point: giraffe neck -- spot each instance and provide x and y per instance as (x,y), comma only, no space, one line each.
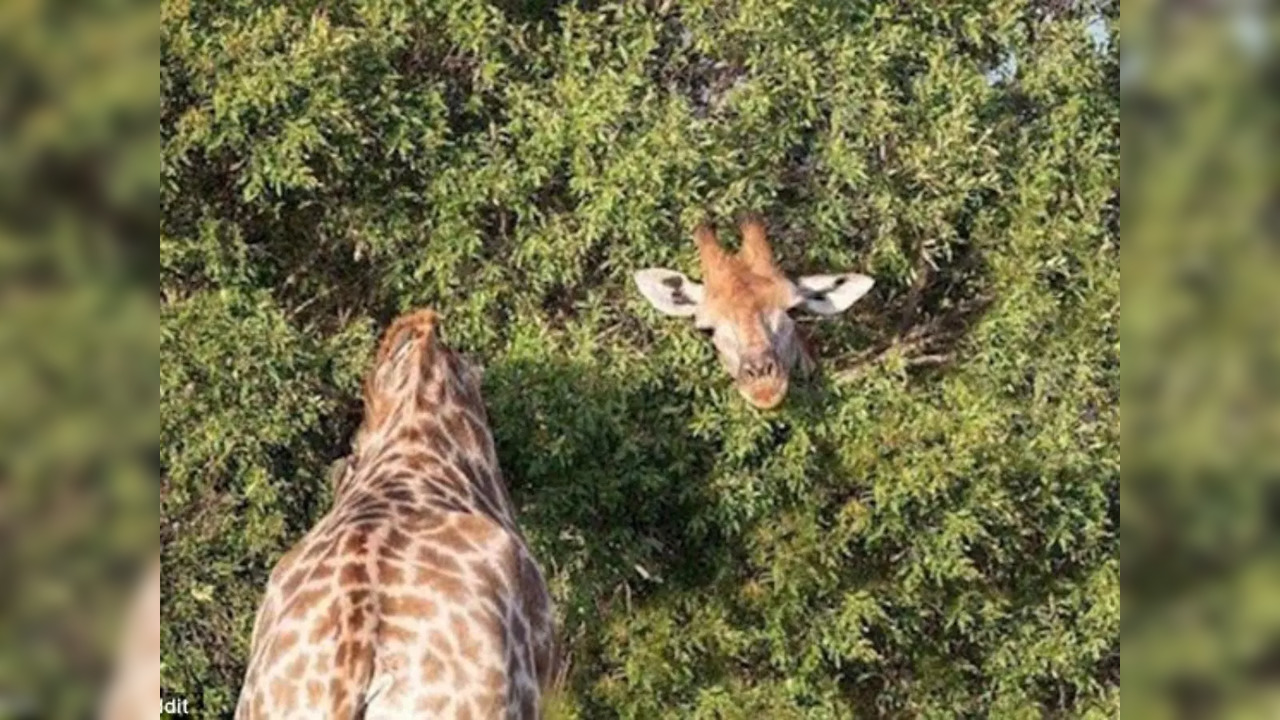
(439,442)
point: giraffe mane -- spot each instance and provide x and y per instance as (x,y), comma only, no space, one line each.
(410,328)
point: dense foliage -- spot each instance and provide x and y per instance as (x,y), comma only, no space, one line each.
(930,528)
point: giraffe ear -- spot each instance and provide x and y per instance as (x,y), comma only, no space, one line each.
(669,291)
(831,294)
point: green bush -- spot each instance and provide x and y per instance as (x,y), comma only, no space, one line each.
(929,529)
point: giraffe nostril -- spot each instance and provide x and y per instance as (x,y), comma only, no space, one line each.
(760,368)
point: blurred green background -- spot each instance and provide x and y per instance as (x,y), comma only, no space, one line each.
(1202,433)
(930,529)
(79,423)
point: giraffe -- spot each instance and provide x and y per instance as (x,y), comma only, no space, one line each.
(744,306)
(416,595)
(134,690)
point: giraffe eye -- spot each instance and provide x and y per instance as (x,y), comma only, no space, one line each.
(706,331)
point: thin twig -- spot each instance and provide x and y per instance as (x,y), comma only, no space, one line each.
(918,339)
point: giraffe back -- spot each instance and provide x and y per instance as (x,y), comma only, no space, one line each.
(416,595)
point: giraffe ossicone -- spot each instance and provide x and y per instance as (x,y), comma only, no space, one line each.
(744,305)
(416,595)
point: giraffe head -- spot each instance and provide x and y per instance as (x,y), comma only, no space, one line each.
(414,373)
(744,306)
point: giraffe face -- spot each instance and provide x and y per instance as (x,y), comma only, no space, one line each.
(744,307)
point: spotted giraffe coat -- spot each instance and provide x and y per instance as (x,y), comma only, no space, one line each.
(416,595)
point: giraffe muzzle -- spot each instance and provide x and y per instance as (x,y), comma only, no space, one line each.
(764,393)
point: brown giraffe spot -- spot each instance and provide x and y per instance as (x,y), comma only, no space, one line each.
(293,581)
(307,600)
(422,521)
(287,561)
(368,518)
(355,619)
(465,713)
(453,539)
(440,642)
(377,468)
(438,439)
(283,643)
(371,504)
(434,704)
(315,691)
(353,574)
(468,645)
(453,589)
(478,528)
(432,669)
(361,660)
(482,481)
(448,505)
(298,668)
(461,678)
(468,468)
(494,681)
(316,550)
(411,434)
(399,494)
(284,695)
(391,632)
(398,541)
(367,525)
(344,650)
(258,708)
(491,705)
(477,436)
(357,543)
(323,571)
(407,606)
(453,426)
(486,618)
(389,573)
(431,556)
(492,583)
(449,477)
